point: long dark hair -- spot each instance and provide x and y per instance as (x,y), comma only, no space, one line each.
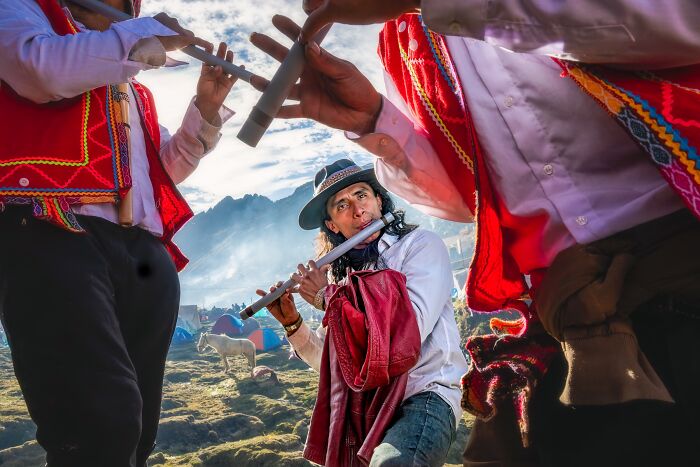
(327,239)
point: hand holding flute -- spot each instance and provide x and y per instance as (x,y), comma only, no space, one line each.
(328,258)
(331,91)
(102,14)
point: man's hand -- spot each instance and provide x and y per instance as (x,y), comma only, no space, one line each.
(323,12)
(310,280)
(213,86)
(331,91)
(183,38)
(283,309)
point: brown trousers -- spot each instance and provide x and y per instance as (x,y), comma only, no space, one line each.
(666,326)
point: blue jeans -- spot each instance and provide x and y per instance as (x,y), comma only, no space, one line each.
(421,435)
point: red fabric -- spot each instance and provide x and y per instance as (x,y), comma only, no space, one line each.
(371,344)
(45,162)
(172,207)
(426,80)
(420,66)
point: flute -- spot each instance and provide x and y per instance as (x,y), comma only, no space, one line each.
(194,52)
(276,93)
(328,258)
(126,204)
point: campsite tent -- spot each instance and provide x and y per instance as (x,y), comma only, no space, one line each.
(250,325)
(229,325)
(181,336)
(265,339)
(188,318)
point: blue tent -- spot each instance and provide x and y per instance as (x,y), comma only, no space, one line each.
(230,325)
(181,336)
(265,339)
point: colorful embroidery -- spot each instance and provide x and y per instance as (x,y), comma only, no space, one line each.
(425,99)
(645,105)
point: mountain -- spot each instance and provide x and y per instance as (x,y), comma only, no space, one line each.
(240,245)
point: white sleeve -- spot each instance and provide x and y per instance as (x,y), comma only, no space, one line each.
(42,66)
(407,164)
(194,139)
(647,34)
(309,345)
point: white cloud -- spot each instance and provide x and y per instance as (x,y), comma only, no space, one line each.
(294,150)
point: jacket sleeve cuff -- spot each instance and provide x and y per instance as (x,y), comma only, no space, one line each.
(301,337)
(207,133)
(392,131)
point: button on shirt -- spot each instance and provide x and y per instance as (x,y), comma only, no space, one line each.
(422,257)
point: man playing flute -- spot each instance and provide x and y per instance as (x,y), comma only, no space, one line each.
(347,199)
(89,306)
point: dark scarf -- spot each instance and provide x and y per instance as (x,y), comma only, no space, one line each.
(364,258)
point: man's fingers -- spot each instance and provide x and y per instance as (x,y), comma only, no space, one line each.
(315,22)
(325,268)
(286,26)
(221,51)
(312,265)
(268,45)
(200,42)
(311,5)
(296,278)
(206,68)
(260,292)
(290,111)
(259,82)
(326,63)
(302,269)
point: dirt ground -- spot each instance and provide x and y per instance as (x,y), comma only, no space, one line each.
(208,418)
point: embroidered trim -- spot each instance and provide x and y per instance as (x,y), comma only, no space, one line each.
(336,177)
(464,157)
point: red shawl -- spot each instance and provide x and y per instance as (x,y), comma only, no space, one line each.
(372,343)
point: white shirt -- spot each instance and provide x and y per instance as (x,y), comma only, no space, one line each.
(550,149)
(422,257)
(43,67)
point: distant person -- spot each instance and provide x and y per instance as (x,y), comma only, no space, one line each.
(346,199)
(89,305)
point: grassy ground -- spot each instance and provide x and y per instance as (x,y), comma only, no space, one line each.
(208,418)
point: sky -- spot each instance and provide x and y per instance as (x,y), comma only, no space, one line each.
(292,150)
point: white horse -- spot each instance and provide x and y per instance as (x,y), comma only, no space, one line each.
(227,346)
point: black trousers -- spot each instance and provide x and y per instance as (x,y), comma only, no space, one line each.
(634,434)
(89,318)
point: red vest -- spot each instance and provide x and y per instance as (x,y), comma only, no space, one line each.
(75,152)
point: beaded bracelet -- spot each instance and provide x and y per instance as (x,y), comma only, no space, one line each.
(319,299)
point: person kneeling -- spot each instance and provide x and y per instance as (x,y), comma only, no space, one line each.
(388,351)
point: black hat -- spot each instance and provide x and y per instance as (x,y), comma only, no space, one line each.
(329,181)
